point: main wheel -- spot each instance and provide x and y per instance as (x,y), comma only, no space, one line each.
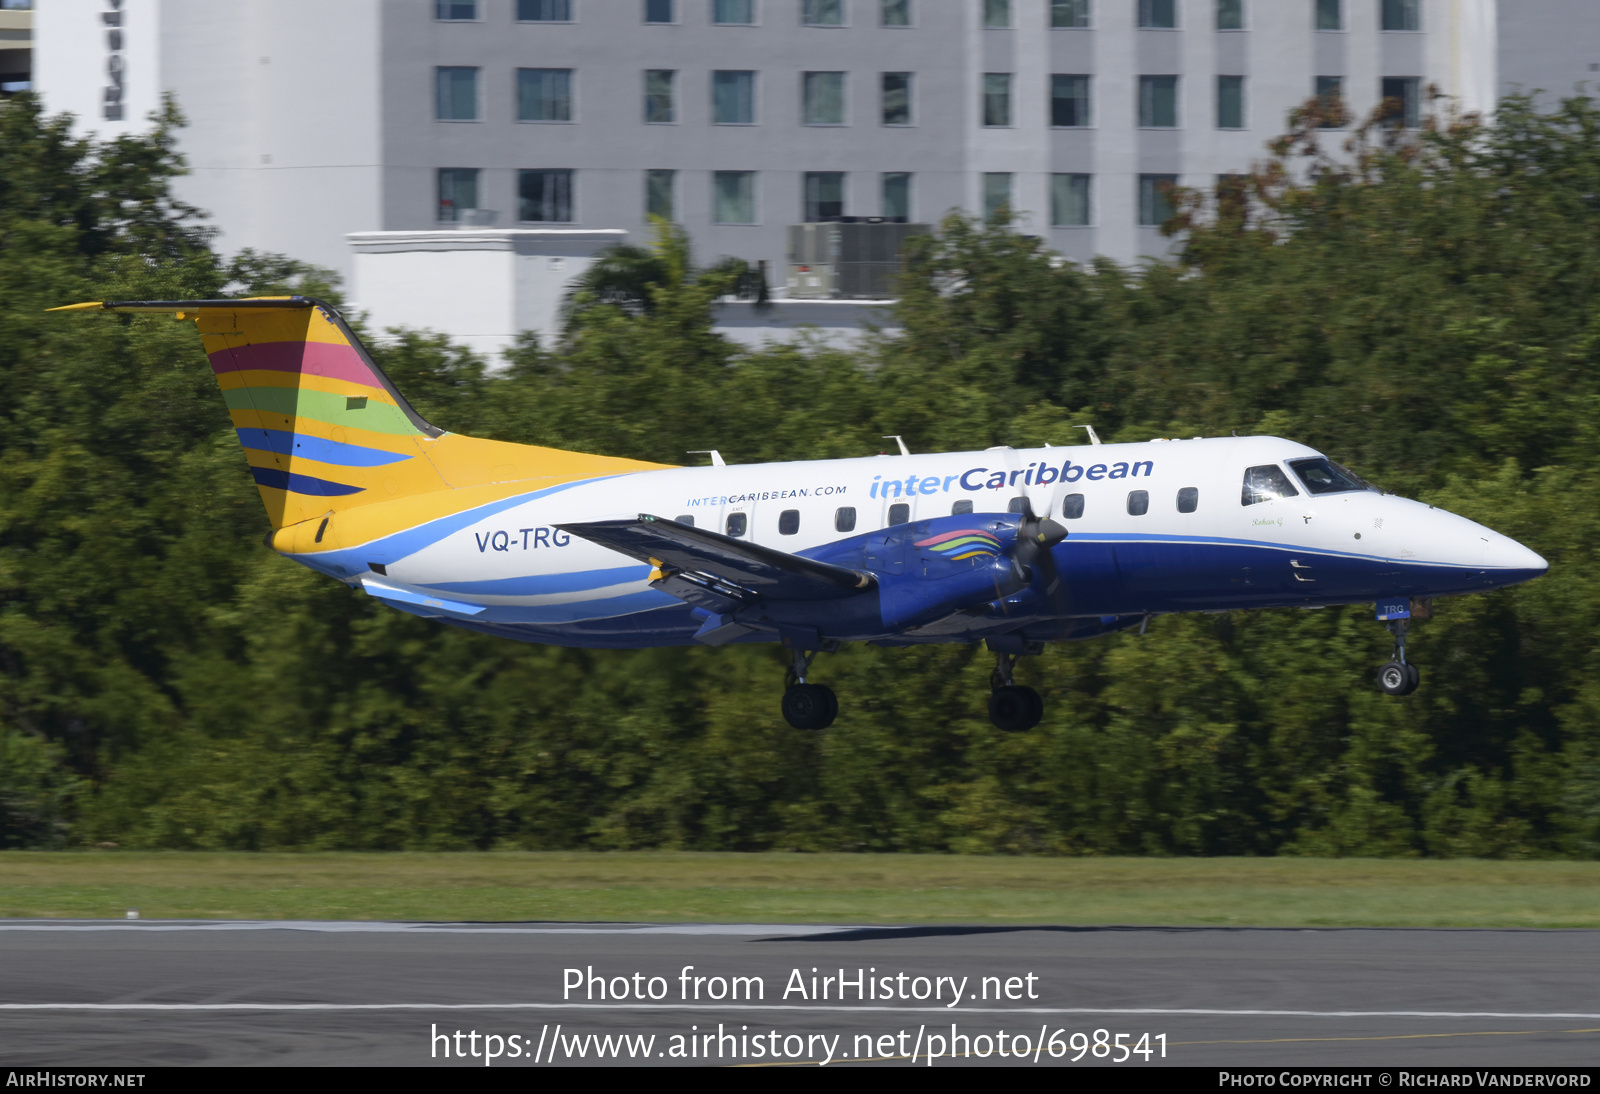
(1014,708)
(1396,679)
(810,706)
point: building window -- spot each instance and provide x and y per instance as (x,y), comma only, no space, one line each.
(659,199)
(1158,102)
(660,96)
(733,12)
(897,98)
(996,193)
(1402,14)
(1330,101)
(997,13)
(1069,13)
(997,98)
(1069,100)
(733,98)
(1402,101)
(1158,14)
(544,94)
(788,522)
(733,197)
(1069,201)
(1230,102)
(895,13)
(1155,199)
(824,196)
(458,191)
(458,94)
(660,11)
(822,13)
(1330,14)
(451,11)
(823,94)
(545,196)
(544,11)
(896,204)
(1230,14)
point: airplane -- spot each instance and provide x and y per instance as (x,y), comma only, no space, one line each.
(1011,547)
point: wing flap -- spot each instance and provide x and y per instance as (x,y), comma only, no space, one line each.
(705,567)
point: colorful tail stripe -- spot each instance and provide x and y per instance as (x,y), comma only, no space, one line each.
(301,484)
(317,448)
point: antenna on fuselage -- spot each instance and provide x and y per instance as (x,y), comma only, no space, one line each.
(1094,438)
(716,457)
(895,437)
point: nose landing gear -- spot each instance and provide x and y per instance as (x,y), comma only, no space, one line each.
(1012,707)
(1399,676)
(807,706)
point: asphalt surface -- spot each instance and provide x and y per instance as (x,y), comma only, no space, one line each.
(76,993)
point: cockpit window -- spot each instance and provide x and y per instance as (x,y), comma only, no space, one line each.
(1266,483)
(1323,476)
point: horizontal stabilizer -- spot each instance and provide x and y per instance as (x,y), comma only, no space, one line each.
(738,570)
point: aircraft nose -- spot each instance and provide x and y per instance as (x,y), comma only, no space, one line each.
(1505,553)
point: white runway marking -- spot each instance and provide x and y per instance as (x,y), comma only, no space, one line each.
(1153,1011)
(343,927)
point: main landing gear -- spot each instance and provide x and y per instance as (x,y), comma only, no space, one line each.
(1399,676)
(1012,707)
(808,706)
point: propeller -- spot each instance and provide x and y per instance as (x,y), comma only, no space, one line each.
(1035,538)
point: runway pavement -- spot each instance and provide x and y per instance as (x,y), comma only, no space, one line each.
(130,994)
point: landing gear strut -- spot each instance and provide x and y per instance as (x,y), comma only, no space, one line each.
(1399,676)
(1012,707)
(807,706)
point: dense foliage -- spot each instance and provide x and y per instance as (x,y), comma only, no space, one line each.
(1426,310)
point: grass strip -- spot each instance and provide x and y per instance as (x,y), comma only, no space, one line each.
(776,888)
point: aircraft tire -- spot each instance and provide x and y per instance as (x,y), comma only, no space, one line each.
(1014,708)
(810,706)
(1416,677)
(1397,679)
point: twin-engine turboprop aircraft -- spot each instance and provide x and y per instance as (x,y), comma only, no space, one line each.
(1014,547)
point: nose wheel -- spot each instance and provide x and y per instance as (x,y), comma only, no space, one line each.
(1399,676)
(808,706)
(1013,707)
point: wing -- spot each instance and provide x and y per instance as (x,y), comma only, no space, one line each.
(717,572)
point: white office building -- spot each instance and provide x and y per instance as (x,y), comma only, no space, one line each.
(311,120)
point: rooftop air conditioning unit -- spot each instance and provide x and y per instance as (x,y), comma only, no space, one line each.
(852,258)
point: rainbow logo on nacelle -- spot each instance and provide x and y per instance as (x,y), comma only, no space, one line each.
(961,544)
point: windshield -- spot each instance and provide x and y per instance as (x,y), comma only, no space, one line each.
(1323,476)
(1266,483)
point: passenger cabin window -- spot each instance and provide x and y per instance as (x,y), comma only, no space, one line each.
(899,514)
(788,522)
(737,523)
(1019,504)
(687,518)
(1138,503)
(1072,506)
(1266,483)
(961,507)
(1322,476)
(844,519)
(1188,499)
